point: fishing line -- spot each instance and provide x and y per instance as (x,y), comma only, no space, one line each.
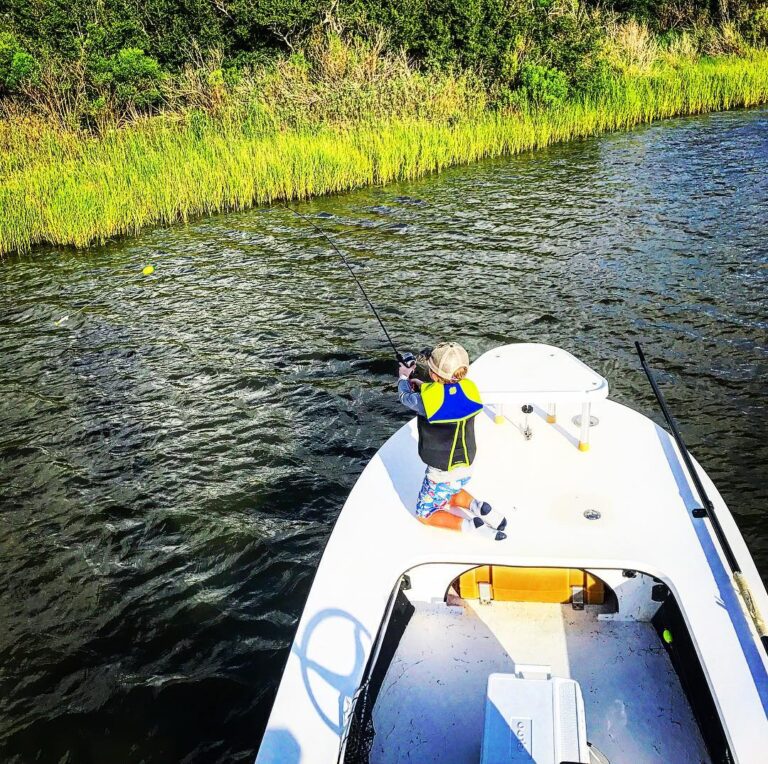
(404,358)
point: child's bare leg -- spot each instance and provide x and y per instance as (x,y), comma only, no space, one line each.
(437,507)
(462,499)
(449,521)
(443,519)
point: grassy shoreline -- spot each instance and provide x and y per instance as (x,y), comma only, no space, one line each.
(65,188)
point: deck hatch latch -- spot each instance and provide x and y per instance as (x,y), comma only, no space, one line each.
(485,593)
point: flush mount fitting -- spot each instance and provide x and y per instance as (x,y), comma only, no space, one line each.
(527,411)
(592,514)
(593,421)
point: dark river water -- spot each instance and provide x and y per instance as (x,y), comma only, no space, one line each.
(174,448)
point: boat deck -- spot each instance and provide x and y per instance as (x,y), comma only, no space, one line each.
(432,703)
(632,477)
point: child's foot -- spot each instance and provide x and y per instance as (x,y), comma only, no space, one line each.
(489,515)
(485,530)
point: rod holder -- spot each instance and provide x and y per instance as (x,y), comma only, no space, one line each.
(584,429)
(551,413)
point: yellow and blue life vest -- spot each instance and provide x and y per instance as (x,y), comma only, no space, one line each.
(447,433)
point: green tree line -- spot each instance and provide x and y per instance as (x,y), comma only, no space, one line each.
(113,52)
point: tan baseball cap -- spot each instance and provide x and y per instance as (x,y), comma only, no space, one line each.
(447,358)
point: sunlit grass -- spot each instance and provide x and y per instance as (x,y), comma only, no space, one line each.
(76,189)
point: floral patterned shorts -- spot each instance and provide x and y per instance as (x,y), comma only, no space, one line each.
(434,496)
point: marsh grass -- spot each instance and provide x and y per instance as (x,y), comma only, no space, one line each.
(60,187)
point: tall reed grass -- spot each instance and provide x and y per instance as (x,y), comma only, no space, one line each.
(76,189)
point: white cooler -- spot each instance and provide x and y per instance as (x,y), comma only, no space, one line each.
(534,720)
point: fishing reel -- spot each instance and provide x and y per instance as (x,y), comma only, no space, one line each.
(417,362)
(410,360)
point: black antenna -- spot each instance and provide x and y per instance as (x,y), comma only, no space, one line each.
(404,359)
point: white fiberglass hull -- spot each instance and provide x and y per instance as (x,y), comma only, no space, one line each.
(631,476)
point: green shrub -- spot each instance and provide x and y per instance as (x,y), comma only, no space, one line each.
(755,25)
(17,66)
(23,69)
(131,78)
(543,86)
(507,98)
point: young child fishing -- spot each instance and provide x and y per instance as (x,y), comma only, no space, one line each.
(446,409)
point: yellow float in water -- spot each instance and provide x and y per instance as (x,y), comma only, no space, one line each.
(148,270)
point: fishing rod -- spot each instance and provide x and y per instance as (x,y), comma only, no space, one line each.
(708,508)
(407,359)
